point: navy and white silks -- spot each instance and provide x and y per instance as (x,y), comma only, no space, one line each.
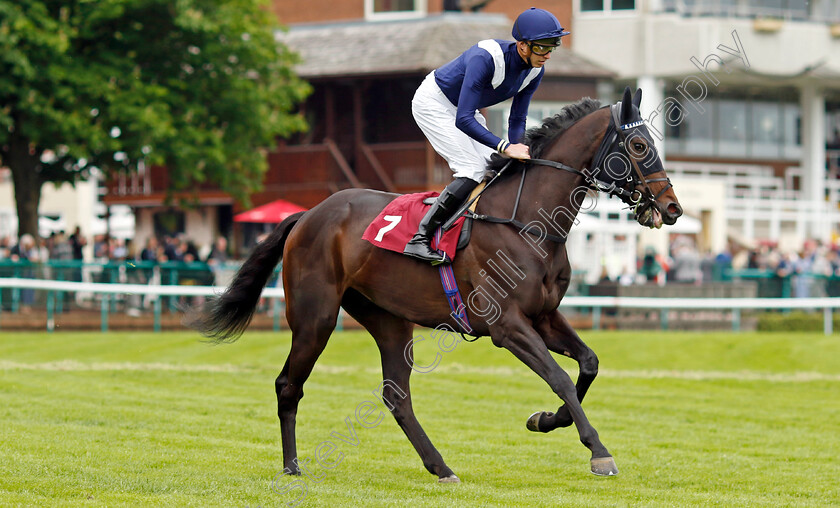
(446,104)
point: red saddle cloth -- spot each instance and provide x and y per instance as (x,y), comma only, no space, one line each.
(398,222)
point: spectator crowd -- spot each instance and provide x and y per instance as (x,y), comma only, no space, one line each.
(809,267)
(682,264)
(62,247)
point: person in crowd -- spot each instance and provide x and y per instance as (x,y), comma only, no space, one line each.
(172,248)
(101,250)
(118,249)
(151,250)
(651,268)
(26,251)
(685,268)
(216,260)
(5,247)
(60,248)
(78,242)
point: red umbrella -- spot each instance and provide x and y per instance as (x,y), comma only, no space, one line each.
(272,213)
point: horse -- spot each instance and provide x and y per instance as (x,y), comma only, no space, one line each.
(327,266)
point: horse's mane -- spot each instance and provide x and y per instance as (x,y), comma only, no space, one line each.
(537,138)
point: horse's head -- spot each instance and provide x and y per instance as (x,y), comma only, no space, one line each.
(628,166)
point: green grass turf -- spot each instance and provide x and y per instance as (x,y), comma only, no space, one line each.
(143,419)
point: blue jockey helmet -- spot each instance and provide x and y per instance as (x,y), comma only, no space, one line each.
(537,24)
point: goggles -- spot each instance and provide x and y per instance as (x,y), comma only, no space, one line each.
(543,49)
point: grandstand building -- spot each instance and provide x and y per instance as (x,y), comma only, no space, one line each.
(745,99)
(743,96)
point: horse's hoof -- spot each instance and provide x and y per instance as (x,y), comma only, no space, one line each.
(533,423)
(449,479)
(604,466)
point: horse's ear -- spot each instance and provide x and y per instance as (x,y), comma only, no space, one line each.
(626,107)
(637,98)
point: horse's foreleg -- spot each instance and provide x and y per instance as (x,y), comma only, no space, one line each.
(561,338)
(518,337)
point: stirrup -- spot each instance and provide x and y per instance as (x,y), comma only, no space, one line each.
(435,257)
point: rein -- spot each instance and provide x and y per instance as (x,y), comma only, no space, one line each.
(615,132)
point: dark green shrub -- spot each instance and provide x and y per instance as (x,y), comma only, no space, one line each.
(794,321)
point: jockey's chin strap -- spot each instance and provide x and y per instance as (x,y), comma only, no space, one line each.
(615,132)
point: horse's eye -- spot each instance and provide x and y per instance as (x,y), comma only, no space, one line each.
(638,147)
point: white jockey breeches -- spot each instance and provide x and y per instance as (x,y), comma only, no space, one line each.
(436,117)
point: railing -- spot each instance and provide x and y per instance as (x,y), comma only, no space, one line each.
(148,273)
(55,291)
(736,305)
(826,11)
(596,303)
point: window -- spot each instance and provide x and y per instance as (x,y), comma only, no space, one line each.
(792,140)
(607,5)
(732,128)
(699,130)
(741,124)
(394,9)
(623,5)
(169,222)
(766,129)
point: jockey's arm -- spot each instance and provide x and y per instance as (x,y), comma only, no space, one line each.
(519,110)
(478,73)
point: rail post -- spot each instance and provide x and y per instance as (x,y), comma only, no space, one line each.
(663,318)
(105,301)
(50,311)
(736,320)
(157,312)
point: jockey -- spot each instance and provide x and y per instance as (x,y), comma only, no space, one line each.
(446,106)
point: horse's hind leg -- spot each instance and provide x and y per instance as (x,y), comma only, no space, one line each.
(312,317)
(561,338)
(393,335)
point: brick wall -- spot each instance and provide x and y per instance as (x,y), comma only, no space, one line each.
(290,12)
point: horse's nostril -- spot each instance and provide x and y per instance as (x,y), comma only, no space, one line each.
(674,209)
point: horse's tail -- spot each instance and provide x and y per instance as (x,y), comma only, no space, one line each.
(223,319)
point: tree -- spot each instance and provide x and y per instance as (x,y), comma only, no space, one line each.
(199,86)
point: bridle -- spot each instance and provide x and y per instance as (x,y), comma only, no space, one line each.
(617,134)
(614,142)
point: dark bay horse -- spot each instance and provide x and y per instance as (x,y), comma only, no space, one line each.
(327,265)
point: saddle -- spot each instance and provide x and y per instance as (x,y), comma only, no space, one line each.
(398,221)
(466,229)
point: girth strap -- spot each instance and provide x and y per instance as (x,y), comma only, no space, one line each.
(512,220)
(519,225)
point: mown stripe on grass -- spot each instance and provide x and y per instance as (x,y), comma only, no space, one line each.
(73,365)
(453,368)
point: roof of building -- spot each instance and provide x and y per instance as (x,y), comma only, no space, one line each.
(409,46)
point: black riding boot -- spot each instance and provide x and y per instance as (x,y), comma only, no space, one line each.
(447,203)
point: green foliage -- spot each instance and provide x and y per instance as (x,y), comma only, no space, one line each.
(143,419)
(794,321)
(200,86)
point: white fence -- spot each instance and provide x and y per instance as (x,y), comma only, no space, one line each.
(596,303)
